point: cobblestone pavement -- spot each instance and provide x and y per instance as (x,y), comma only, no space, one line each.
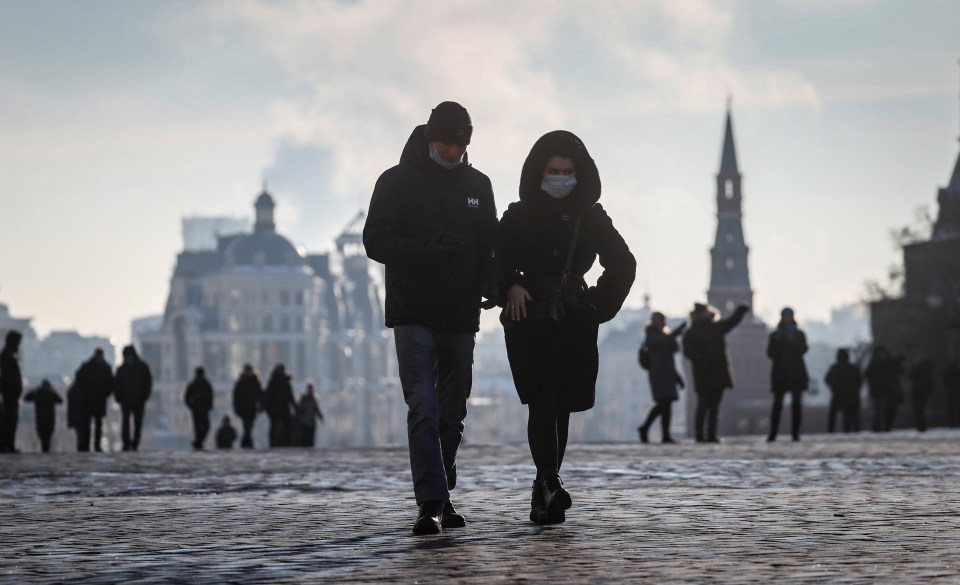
(866,509)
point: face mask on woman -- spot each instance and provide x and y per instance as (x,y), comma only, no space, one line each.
(558,186)
(435,157)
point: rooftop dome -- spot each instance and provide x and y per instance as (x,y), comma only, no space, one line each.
(263,247)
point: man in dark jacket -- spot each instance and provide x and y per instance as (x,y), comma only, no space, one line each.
(132,389)
(11,388)
(45,399)
(280,405)
(786,348)
(705,347)
(247,402)
(95,384)
(199,399)
(432,222)
(844,380)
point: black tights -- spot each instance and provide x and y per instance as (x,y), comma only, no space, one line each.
(547,429)
(662,409)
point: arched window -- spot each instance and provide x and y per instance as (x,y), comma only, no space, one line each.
(729,238)
(729,263)
(728,188)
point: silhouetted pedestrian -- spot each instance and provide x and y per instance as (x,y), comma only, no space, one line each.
(247,402)
(226,434)
(308,412)
(661,344)
(551,318)
(11,388)
(786,348)
(77,415)
(95,384)
(199,399)
(705,347)
(132,388)
(432,224)
(921,386)
(45,399)
(951,386)
(883,378)
(280,406)
(844,380)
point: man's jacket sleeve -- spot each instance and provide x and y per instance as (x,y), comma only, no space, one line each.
(382,231)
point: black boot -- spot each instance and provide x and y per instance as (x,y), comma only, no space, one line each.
(642,430)
(428,521)
(451,518)
(555,497)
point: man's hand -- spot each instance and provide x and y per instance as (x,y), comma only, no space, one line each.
(445,241)
(492,290)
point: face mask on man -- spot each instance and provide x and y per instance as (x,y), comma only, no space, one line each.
(558,186)
(435,157)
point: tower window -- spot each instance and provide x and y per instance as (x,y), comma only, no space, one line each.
(729,238)
(728,188)
(730,306)
(729,263)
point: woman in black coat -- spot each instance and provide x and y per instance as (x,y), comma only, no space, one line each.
(660,344)
(554,359)
(785,348)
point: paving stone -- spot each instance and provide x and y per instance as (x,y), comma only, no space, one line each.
(841,509)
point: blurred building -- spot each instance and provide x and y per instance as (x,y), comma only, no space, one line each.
(745,409)
(925,321)
(257,298)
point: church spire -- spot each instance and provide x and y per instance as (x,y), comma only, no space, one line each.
(729,273)
(728,160)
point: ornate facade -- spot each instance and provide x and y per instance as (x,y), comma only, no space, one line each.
(259,299)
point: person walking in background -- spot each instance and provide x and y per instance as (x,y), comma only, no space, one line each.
(432,223)
(199,399)
(661,344)
(951,385)
(132,387)
(883,378)
(921,386)
(551,237)
(786,348)
(280,406)
(95,384)
(308,412)
(705,346)
(844,380)
(45,399)
(11,388)
(226,434)
(247,402)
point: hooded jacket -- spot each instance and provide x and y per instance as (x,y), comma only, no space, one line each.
(411,203)
(535,235)
(705,346)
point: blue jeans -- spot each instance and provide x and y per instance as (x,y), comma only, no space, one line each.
(436,374)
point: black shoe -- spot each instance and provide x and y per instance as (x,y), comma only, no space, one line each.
(451,518)
(668,441)
(771,438)
(643,434)
(428,520)
(555,497)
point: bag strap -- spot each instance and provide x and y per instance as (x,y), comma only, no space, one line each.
(573,246)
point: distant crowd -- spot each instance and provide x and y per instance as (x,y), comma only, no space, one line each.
(292,421)
(705,347)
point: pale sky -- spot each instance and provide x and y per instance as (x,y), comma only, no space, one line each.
(117,118)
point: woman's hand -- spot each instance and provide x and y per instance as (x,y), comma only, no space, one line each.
(517,298)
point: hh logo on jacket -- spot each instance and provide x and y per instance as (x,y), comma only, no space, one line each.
(473,202)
